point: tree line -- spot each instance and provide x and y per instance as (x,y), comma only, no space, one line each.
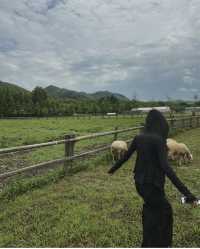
(17,103)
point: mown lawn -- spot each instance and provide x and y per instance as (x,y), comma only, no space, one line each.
(92,209)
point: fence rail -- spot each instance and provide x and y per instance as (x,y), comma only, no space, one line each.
(73,139)
(70,140)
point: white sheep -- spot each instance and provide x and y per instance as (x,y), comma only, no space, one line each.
(178,151)
(118,149)
(185,153)
(172,146)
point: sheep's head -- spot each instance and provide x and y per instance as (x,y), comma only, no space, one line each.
(189,157)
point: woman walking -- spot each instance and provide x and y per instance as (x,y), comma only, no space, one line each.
(149,174)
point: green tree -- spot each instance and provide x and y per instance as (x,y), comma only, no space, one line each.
(39,96)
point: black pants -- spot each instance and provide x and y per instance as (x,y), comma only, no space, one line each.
(157,217)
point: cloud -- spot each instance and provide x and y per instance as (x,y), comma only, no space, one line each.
(148,47)
(7,45)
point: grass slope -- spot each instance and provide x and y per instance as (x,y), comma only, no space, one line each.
(92,209)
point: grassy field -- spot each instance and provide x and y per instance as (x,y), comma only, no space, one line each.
(29,131)
(14,132)
(91,209)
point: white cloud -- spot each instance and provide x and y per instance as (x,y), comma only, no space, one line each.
(120,45)
(183,89)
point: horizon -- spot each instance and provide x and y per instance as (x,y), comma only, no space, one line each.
(142,100)
(144,48)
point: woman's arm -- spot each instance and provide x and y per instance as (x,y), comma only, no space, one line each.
(126,156)
(162,154)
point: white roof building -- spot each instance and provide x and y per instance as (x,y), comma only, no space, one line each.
(193,108)
(111,113)
(147,109)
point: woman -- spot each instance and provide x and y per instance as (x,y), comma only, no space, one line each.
(149,174)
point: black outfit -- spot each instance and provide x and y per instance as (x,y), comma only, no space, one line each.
(149,174)
(151,163)
(157,217)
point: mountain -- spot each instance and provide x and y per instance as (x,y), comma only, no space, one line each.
(63,93)
(12,87)
(103,94)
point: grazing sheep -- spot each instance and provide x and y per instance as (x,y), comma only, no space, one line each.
(178,151)
(185,153)
(172,146)
(118,149)
(170,140)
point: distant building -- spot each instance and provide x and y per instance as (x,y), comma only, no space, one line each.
(163,109)
(192,109)
(111,114)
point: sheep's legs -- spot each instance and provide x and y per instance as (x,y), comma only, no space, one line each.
(113,157)
(118,156)
(181,159)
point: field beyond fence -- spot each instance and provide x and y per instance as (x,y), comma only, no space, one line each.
(70,141)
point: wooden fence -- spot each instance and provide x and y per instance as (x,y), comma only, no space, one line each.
(71,140)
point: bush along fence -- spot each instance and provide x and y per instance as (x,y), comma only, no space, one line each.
(70,141)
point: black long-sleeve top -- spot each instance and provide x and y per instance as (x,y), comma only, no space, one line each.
(152,163)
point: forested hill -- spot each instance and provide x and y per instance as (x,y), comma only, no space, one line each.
(52,101)
(63,93)
(16,101)
(104,94)
(12,87)
(68,94)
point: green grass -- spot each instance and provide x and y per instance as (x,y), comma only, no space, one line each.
(92,209)
(20,132)
(29,131)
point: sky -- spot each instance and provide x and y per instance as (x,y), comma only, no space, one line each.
(144,49)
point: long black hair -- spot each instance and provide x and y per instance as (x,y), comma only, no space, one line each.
(157,124)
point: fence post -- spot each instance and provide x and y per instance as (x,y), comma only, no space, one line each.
(198,121)
(190,122)
(69,150)
(172,123)
(183,123)
(115,135)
